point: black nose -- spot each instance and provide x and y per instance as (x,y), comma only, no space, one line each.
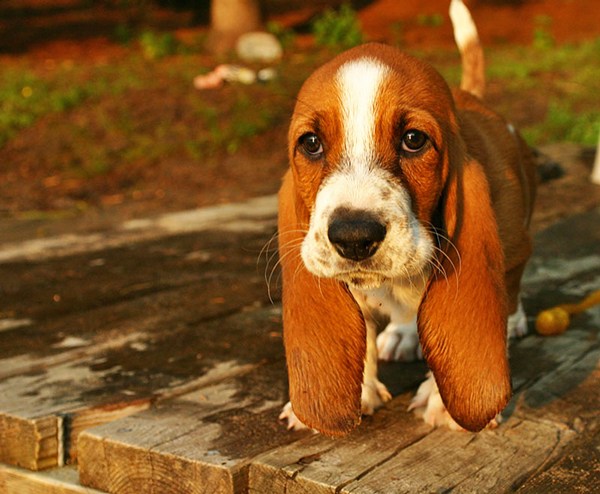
(356,236)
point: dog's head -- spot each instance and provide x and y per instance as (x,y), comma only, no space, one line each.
(380,189)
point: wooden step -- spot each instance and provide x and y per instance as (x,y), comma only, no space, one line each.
(201,442)
(15,480)
(165,373)
(158,321)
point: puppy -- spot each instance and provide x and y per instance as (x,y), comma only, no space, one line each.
(411,200)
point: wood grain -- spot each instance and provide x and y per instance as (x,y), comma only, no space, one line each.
(201,442)
(115,382)
(321,465)
(94,350)
(578,472)
(463,462)
(165,373)
(30,443)
(14,480)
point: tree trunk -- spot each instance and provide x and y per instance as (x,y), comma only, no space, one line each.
(230,19)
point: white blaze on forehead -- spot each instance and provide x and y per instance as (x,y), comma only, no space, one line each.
(359,82)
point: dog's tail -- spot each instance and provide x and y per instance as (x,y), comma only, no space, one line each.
(467,39)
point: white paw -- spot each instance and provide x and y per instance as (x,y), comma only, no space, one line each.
(428,402)
(374,394)
(293,422)
(517,323)
(399,342)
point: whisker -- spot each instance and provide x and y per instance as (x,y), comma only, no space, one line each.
(293,250)
(279,235)
(320,287)
(265,250)
(440,236)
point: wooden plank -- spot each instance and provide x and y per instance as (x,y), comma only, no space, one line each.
(490,461)
(578,472)
(560,396)
(544,370)
(33,444)
(93,348)
(15,480)
(92,297)
(42,413)
(317,465)
(554,377)
(253,215)
(195,447)
(561,393)
(320,465)
(137,322)
(183,282)
(199,443)
(181,436)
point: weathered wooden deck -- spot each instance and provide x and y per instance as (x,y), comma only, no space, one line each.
(149,359)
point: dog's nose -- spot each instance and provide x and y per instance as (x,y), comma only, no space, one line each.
(357,236)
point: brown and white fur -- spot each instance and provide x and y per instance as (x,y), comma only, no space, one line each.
(435,236)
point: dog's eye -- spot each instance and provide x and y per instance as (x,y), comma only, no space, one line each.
(413,140)
(311,144)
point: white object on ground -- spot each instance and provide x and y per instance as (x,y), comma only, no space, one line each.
(267,74)
(258,47)
(222,73)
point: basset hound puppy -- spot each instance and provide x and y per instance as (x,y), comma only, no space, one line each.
(407,199)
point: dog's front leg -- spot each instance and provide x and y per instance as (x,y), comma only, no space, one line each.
(374,392)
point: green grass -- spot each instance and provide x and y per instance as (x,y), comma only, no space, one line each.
(433,20)
(566,79)
(338,29)
(543,39)
(563,123)
(27,94)
(552,95)
(579,62)
(140,113)
(155,45)
(228,128)
(286,36)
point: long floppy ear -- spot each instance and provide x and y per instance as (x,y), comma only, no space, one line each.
(462,317)
(324,332)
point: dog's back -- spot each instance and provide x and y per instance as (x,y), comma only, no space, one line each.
(495,143)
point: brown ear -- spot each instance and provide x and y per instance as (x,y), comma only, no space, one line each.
(462,317)
(324,331)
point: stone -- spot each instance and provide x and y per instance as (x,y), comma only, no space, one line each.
(259,47)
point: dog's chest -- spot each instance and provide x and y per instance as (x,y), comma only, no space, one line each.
(398,300)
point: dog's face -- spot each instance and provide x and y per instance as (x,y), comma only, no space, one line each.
(368,151)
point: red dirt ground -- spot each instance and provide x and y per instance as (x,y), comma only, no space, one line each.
(65,30)
(62,29)
(498,21)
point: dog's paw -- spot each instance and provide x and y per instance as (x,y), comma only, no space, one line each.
(428,403)
(399,342)
(293,422)
(517,323)
(374,395)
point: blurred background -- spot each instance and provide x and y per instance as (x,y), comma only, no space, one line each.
(99,115)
